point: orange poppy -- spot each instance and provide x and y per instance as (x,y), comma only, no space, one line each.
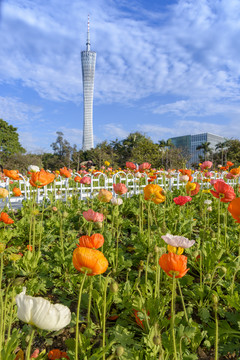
(17,191)
(104,195)
(154,193)
(64,172)
(173,263)
(12,174)
(192,188)
(229,163)
(235,171)
(92,261)
(234,209)
(77,179)
(20,355)
(92,242)
(41,178)
(187,172)
(6,218)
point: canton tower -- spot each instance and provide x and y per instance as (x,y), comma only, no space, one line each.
(88,59)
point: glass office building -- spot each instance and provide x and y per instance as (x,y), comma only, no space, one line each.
(189,144)
(88,59)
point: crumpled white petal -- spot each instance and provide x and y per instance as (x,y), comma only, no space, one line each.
(178,241)
(41,313)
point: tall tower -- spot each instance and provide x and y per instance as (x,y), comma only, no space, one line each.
(88,59)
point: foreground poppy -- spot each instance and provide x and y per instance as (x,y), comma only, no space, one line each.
(41,178)
(88,260)
(4,217)
(154,193)
(12,174)
(174,264)
(92,242)
(234,209)
(144,166)
(224,192)
(3,193)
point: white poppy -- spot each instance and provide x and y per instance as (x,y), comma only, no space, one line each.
(41,313)
(116,201)
(33,168)
(208,202)
(178,241)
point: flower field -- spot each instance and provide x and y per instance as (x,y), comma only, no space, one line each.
(147,276)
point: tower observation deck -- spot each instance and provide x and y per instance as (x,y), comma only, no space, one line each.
(88,59)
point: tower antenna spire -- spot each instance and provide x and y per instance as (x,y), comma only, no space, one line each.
(88,36)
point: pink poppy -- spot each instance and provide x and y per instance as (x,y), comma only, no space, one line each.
(85,180)
(120,188)
(206,165)
(144,166)
(91,215)
(130,165)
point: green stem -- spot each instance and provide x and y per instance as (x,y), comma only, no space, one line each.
(173,316)
(30,344)
(104,315)
(183,304)
(219,230)
(89,300)
(117,234)
(216,334)
(1,304)
(77,316)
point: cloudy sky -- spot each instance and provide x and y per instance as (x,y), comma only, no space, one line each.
(164,67)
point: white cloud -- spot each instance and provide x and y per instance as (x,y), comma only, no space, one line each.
(114,131)
(17,112)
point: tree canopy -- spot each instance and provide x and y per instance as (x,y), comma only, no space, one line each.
(9,141)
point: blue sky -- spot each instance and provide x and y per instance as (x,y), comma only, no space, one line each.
(165,68)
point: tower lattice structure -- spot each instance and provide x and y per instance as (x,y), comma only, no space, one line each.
(88,59)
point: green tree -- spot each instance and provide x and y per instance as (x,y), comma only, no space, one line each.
(63,150)
(205,146)
(9,141)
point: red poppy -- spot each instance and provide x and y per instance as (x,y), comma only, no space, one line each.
(182,200)
(139,321)
(92,242)
(173,263)
(57,354)
(144,166)
(224,192)
(6,218)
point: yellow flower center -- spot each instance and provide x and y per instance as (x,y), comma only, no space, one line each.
(175,250)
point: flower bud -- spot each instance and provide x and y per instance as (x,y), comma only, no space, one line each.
(157,340)
(2,247)
(114,287)
(119,350)
(99,224)
(65,214)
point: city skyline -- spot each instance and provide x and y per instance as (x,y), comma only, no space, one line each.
(165,68)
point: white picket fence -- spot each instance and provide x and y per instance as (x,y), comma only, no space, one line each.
(63,189)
